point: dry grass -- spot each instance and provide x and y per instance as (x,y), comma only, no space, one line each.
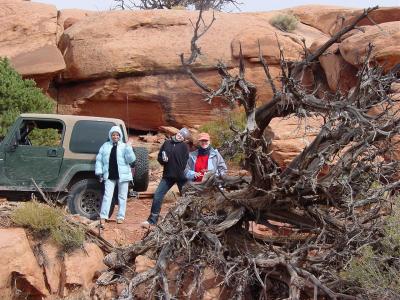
(38,217)
(46,221)
(376,269)
(69,238)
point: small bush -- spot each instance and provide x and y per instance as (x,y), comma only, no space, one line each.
(40,218)
(286,23)
(69,238)
(46,221)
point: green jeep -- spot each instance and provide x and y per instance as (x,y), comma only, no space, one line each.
(58,154)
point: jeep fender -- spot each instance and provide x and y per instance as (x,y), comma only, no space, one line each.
(73,174)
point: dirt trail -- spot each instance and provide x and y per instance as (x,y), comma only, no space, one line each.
(137,211)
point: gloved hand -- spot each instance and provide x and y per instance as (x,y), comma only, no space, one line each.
(100,177)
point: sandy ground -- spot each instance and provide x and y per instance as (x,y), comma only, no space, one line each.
(130,231)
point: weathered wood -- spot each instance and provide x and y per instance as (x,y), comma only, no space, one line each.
(330,200)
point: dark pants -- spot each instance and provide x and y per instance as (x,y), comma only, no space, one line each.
(162,189)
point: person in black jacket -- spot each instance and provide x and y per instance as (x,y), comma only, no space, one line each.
(173,155)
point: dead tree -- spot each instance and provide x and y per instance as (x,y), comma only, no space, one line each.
(169,4)
(333,196)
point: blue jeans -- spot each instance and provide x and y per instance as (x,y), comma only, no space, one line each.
(109,186)
(162,189)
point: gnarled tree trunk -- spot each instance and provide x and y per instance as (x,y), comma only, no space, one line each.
(333,196)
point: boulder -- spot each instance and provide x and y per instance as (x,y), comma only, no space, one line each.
(82,265)
(22,34)
(331,19)
(30,43)
(68,17)
(148,42)
(46,60)
(19,267)
(322,17)
(290,136)
(385,40)
(268,39)
(339,73)
(379,16)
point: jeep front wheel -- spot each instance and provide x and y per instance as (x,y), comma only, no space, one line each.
(84,198)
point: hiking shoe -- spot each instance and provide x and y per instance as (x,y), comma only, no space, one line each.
(146,224)
(120,221)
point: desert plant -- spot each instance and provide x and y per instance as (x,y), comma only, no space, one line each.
(285,22)
(46,221)
(222,135)
(69,238)
(376,269)
(18,95)
(40,218)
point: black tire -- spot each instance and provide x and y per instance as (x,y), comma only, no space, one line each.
(141,170)
(84,198)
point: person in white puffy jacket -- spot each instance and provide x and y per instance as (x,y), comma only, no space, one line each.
(112,167)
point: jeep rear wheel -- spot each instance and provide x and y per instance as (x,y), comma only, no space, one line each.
(84,198)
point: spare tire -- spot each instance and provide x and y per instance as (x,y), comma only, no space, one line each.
(140,170)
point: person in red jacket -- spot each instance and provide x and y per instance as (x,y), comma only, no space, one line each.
(204,159)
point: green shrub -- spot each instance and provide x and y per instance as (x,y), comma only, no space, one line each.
(221,134)
(45,220)
(49,137)
(219,129)
(18,96)
(286,23)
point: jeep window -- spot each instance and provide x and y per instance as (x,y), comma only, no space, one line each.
(88,136)
(47,133)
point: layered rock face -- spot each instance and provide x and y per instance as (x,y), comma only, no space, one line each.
(126,64)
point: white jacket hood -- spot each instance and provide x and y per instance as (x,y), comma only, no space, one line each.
(115,129)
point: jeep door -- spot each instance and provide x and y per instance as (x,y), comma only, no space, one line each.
(38,155)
